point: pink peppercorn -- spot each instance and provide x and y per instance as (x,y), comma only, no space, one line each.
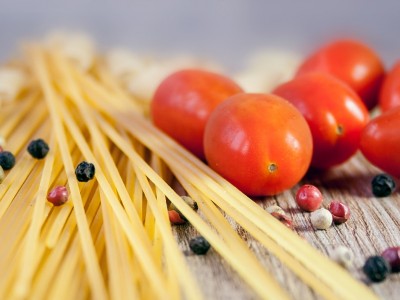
(392,256)
(340,212)
(58,196)
(309,198)
(285,220)
(175,218)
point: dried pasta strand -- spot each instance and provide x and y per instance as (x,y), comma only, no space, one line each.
(173,254)
(70,264)
(136,237)
(17,176)
(118,182)
(157,282)
(60,214)
(119,262)
(112,84)
(258,278)
(13,226)
(162,206)
(296,267)
(93,270)
(134,184)
(26,268)
(24,107)
(26,128)
(182,206)
(67,242)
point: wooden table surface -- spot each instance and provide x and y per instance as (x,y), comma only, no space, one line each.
(373,226)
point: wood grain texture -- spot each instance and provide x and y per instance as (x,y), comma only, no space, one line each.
(374,225)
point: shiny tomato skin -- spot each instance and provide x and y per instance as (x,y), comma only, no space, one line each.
(260,143)
(352,62)
(389,95)
(183,102)
(380,142)
(334,112)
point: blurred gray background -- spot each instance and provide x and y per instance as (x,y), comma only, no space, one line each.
(227,31)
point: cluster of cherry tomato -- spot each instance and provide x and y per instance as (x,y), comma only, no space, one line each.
(265,143)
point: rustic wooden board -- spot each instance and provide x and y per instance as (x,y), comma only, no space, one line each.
(374,225)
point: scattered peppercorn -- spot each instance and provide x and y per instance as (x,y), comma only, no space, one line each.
(175,218)
(85,171)
(58,196)
(275,208)
(376,268)
(383,185)
(7,160)
(199,245)
(309,198)
(343,256)
(189,201)
(38,149)
(2,175)
(392,256)
(321,219)
(340,212)
(285,220)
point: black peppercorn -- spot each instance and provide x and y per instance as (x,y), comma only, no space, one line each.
(7,160)
(383,185)
(376,268)
(199,245)
(38,148)
(84,171)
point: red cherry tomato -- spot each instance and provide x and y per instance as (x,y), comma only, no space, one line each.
(260,143)
(335,114)
(380,142)
(183,102)
(389,96)
(352,62)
